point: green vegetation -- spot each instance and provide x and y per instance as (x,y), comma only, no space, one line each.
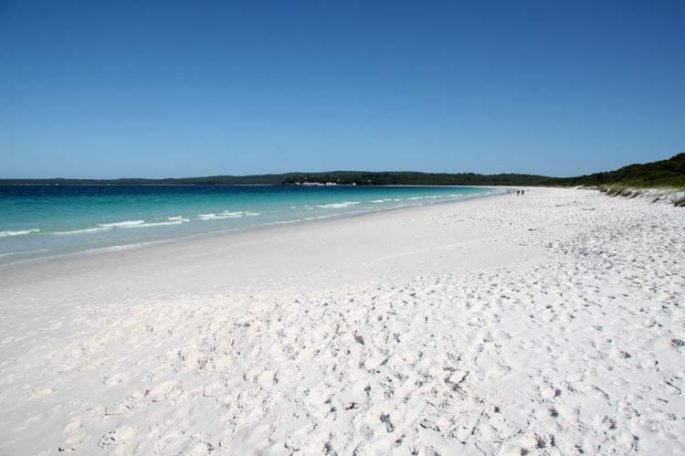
(337,177)
(415,178)
(632,180)
(664,173)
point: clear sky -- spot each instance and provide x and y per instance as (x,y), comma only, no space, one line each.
(166,88)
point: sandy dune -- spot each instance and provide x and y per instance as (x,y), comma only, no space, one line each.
(550,324)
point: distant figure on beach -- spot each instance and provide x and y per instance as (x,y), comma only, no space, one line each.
(518,192)
(523,192)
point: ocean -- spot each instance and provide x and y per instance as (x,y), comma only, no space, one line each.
(51,220)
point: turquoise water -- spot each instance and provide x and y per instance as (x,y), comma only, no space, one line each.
(52,220)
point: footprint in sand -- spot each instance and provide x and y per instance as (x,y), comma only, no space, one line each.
(385,419)
(75,437)
(548,392)
(135,399)
(72,443)
(199,449)
(165,390)
(214,389)
(73,426)
(119,436)
(112,380)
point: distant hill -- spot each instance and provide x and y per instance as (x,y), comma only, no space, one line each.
(338,177)
(264,179)
(664,173)
(416,178)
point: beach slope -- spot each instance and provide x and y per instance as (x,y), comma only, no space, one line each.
(550,323)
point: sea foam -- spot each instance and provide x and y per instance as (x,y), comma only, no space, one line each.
(22,252)
(99,229)
(220,215)
(338,205)
(60,224)
(151,224)
(18,232)
(124,224)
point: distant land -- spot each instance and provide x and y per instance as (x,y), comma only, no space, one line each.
(664,173)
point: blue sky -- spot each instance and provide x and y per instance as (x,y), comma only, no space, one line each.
(155,89)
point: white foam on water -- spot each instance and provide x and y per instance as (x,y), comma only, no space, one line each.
(321,217)
(22,252)
(283,222)
(220,216)
(102,227)
(18,232)
(178,218)
(338,205)
(83,231)
(151,224)
(124,224)
(114,248)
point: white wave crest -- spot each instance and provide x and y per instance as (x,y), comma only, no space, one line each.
(338,205)
(18,232)
(150,224)
(83,231)
(178,218)
(124,224)
(220,216)
(22,252)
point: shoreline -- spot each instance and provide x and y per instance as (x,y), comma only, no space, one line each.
(545,324)
(240,230)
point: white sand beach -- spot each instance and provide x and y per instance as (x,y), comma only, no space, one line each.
(547,324)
